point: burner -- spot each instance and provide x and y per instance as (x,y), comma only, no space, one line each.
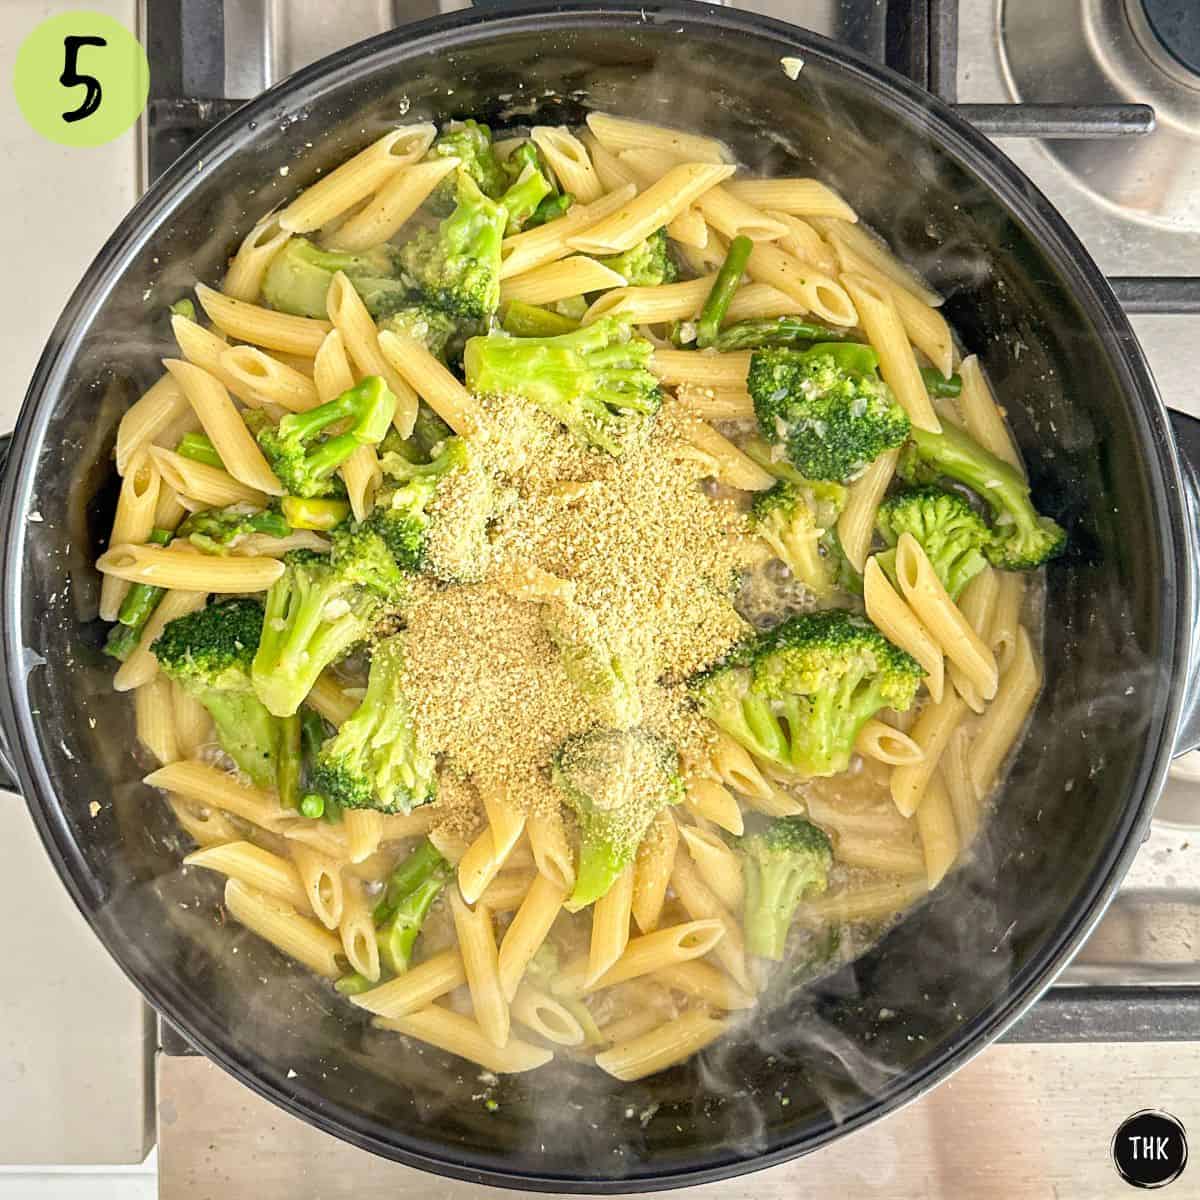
(1175,25)
(1112,52)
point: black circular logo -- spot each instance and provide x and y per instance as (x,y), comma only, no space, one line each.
(1150,1149)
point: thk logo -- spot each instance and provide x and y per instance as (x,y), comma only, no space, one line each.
(1149,1149)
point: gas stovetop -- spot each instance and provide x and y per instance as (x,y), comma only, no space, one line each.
(1098,101)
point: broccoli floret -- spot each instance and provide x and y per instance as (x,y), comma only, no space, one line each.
(793,518)
(319,608)
(648,264)
(596,381)
(600,664)
(457,266)
(425,324)
(304,460)
(827,406)
(954,537)
(209,654)
(521,200)
(375,760)
(413,887)
(616,781)
(471,143)
(435,516)
(218,530)
(798,694)
(782,863)
(1021,539)
(298,279)
(551,209)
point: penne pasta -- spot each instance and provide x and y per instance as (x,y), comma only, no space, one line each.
(491,849)
(363,828)
(897,363)
(704,983)
(267,379)
(662,1047)
(385,213)
(232,441)
(856,525)
(756,301)
(336,193)
(559,281)
(810,290)
(708,799)
(1000,727)
(243,280)
(256,868)
(417,988)
(361,339)
(643,955)
(622,133)
(1006,617)
(701,368)
(324,888)
(527,931)
(712,404)
(551,854)
(508,890)
(158,408)
(651,305)
(137,504)
(844,234)
(733,467)
(477,945)
(885,855)
(547,1017)
(460,1035)
(657,206)
(901,626)
(262,326)
(732,217)
(701,904)
(548,243)
(802,241)
(652,870)
(936,826)
(205,826)
(939,614)
(955,772)
(299,937)
(981,415)
(193,725)
(189,572)
(865,902)
(610,926)
(357,931)
(610,170)
(141,665)
(977,603)
(884,744)
(206,486)
(199,783)
(717,864)
(155,719)
(568,158)
(931,732)
(430,380)
(798,197)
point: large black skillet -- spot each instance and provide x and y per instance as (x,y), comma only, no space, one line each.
(1120,607)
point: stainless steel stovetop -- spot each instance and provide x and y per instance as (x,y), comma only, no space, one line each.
(1117,82)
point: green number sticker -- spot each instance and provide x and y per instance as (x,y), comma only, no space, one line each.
(81,79)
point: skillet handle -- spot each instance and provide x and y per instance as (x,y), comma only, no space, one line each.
(8,773)
(1187,442)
